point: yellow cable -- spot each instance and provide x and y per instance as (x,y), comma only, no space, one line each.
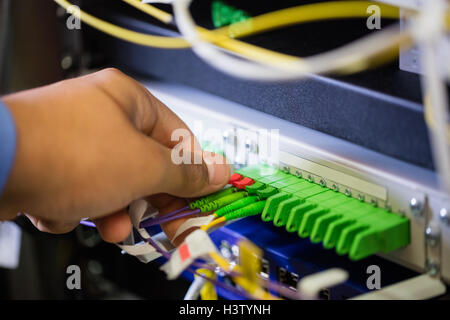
(218,37)
(429,117)
(213,223)
(282,18)
(221,262)
(258,293)
(122,33)
(151,10)
(304,14)
(208,291)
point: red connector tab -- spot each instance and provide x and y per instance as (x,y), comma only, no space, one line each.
(235,177)
(243,183)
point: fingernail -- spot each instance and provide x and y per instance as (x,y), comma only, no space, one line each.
(218,170)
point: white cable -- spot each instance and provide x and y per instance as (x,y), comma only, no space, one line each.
(194,289)
(428,32)
(345,57)
(311,285)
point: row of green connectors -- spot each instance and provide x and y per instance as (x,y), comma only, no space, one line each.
(350,226)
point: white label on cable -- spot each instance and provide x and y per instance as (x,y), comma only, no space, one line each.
(141,210)
(10,241)
(191,223)
(143,251)
(196,245)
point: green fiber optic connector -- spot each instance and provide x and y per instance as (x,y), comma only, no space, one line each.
(376,218)
(324,202)
(306,225)
(296,216)
(277,176)
(293,219)
(214,196)
(272,204)
(384,237)
(251,189)
(342,206)
(257,172)
(290,180)
(346,218)
(299,186)
(298,213)
(219,203)
(223,14)
(285,208)
(250,210)
(315,220)
(309,192)
(236,205)
(266,192)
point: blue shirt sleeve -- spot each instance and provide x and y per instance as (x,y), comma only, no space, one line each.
(7,144)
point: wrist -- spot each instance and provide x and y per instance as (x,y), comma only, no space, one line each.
(7,155)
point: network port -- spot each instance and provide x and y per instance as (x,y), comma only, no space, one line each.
(289,279)
(264,269)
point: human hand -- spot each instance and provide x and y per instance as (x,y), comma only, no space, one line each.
(88,147)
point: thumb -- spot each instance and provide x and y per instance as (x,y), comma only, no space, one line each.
(197,179)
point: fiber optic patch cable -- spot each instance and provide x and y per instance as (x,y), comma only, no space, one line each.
(267,22)
(207,207)
(251,209)
(224,201)
(285,63)
(233,271)
(227,268)
(196,204)
(200,265)
(244,283)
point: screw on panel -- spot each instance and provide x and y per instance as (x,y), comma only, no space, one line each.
(432,268)
(310,178)
(298,173)
(416,207)
(348,193)
(361,197)
(445,216)
(322,183)
(374,202)
(432,236)
(335,187)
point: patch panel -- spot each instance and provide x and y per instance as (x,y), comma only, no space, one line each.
(375,180)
